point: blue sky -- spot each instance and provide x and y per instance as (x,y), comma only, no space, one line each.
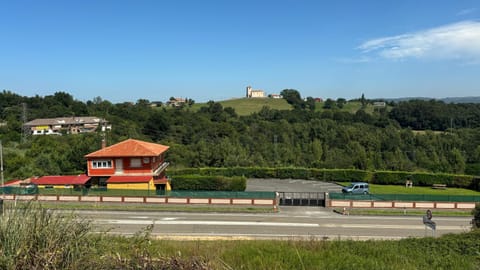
(211,50)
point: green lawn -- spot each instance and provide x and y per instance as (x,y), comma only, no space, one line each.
(392,189)
(401,189)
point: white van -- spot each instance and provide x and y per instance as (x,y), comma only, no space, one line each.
(356,188)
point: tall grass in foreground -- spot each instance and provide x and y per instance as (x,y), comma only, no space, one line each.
(32,237)
(35,238)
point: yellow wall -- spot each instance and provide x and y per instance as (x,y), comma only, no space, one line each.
(167,186)
(55,186)
(144,186)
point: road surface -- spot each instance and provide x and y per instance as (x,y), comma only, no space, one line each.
(289,223)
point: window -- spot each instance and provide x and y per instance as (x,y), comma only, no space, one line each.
(146,160)
(135,162)
(101,164)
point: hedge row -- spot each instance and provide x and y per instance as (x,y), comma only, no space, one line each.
(424,179)
(282,173)
(339,175)
(208,182)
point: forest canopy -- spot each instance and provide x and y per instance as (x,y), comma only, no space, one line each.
(415,135)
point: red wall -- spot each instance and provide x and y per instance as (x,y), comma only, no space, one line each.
(145,168)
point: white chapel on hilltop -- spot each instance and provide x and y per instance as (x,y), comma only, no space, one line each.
(254,93)
(251,93)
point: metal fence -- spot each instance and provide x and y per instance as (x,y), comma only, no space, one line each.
(405,197)
(29,190)
(302,198)
(138,193)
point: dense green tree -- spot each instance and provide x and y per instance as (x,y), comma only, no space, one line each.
(329,104)
(341,102)
(293,97)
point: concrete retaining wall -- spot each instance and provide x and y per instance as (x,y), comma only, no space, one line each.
(402,205)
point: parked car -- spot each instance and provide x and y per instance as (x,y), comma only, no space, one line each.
(356,188)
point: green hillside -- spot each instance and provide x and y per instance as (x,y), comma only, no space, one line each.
(247,106)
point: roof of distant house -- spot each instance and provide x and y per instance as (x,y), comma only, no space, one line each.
(65,121)
(129,179)
(14,182)
(130,148)
(61,180)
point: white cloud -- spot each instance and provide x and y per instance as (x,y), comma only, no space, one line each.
(459,41)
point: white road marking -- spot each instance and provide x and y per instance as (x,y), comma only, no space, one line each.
(199,222)
(169,218)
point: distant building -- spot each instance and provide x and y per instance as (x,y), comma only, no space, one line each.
(251,93)
(156,104)
(176,102)
(318,99)
(68,125)
(276,96)
(379,104)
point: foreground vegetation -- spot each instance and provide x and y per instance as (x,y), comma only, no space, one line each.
(32,237)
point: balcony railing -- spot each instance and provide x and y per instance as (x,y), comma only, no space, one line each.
(161,168)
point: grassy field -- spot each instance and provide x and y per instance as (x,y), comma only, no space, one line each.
(400,189)
(247,106)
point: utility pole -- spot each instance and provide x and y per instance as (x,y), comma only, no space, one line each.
(275,141)
(25,130)
(1,175)
(1,164)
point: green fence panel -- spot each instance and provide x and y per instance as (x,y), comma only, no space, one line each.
(28,190)
(221,194)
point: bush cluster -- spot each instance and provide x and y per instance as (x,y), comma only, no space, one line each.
(338,175)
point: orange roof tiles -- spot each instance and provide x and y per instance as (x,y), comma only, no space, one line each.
(130,148)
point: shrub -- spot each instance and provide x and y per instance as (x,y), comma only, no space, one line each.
(476,216)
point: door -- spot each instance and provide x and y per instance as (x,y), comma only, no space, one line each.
(118,166)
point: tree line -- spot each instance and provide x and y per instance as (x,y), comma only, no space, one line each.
(415,135)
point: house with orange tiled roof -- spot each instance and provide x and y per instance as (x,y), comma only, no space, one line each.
(130,164)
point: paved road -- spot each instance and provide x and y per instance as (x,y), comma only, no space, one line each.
(289,223)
